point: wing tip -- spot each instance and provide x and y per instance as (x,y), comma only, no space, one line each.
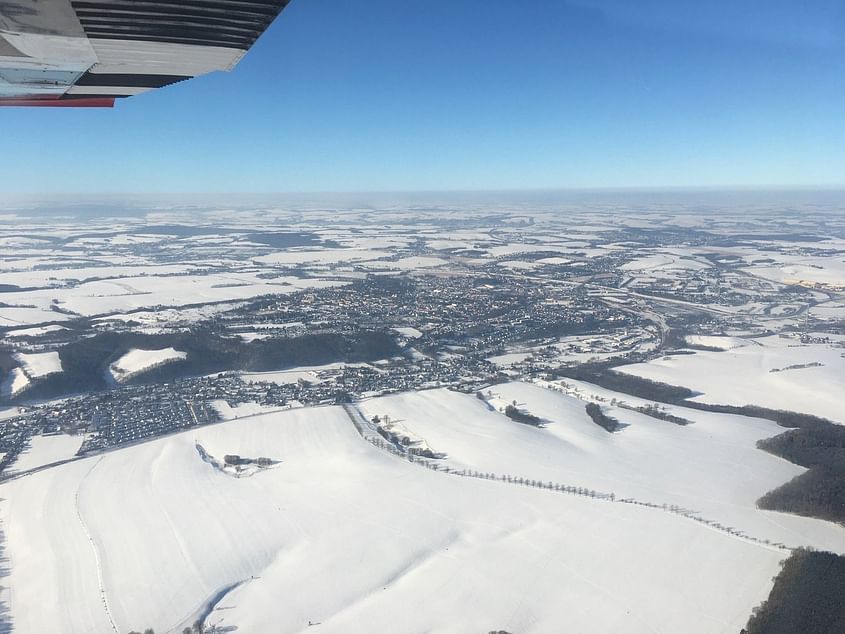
(65,102)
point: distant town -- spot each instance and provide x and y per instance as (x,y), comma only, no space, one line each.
(458,305)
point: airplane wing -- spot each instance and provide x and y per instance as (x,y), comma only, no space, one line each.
(91,52)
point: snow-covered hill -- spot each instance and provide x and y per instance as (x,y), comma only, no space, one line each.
(39,364)
(137,361)
(711,466)
(343,534)
(32,366)
(776,372)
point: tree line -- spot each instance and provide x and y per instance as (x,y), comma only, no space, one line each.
(808,596)
(820,492)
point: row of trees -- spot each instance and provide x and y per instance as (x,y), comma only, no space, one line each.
(575,490)
(655,411)
(409,455)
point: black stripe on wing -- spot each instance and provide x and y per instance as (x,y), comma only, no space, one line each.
(129,79)
(222,23)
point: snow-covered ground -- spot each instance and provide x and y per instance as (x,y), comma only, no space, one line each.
(14,315)
(829,310)
(509,358)
(307,373)
(413,263)
(123,294)
(39,364)
(711,466)
(769,374)
(321,256)
(49,273)
(33,332)
(722,343)
(9,412)
(242,410)
(137,361)
(32,366)
(827,271)
(346,535)
(14,383)
(408,331)
(648,262)
(519,265)
(45,450)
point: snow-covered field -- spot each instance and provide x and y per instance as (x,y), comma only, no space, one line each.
(14,383)
(775,372)
(309,373)
(281,377)
(711,466)
(28,275)
(132,293)
(407,331)
(9,412)
(722,343)
(45,450)
(321,256)
(342,534)
(827,271)
(137,361)
(648,262)
(509,358)
(39,364)
(34,332)
(24,315)
(412,263)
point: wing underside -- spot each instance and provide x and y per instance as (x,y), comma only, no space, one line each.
(89,53)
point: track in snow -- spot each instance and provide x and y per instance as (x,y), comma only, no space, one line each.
(100,582)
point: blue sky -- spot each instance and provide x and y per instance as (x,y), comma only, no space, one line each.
(393,95)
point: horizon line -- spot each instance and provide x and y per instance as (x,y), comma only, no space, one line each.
(502,190)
